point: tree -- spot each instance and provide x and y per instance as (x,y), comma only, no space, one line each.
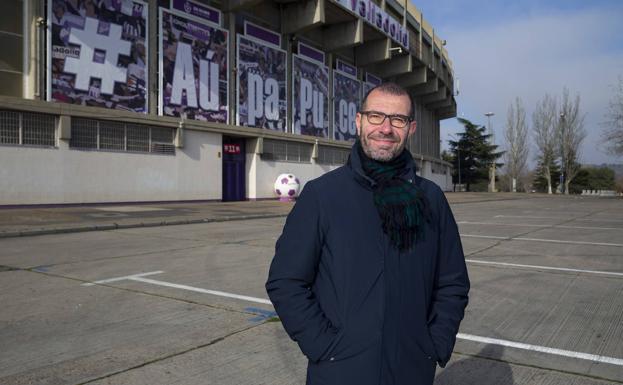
(474,153)
(593,178)
(516,135)
(544,131)
(571,134)
(613,135)
(546,176)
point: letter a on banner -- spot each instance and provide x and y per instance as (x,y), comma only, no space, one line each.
(261,79)
(188,90)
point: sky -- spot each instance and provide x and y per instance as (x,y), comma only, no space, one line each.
(504,49)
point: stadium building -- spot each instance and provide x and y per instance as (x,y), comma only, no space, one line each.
(176,100)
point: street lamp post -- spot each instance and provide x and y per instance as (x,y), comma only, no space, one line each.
(492,166)
(563,190)
(458,157)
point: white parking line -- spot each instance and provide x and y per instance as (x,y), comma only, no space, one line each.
(468,337)
(541,225)
(542,240)
(139,278)
(525,216)
(558,218)
(478,261)
(203,291)
(543,349)
(125,278)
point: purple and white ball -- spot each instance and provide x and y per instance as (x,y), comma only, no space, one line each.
(287,187)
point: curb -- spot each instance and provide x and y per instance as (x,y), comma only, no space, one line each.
(117,226)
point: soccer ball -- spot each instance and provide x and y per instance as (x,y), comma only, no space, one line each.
(287,187)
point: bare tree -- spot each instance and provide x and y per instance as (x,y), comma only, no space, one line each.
(571,134)
(516,135)
(544,130)
(613,135)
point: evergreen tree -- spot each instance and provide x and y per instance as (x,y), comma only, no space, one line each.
(474,153)
(540,179)
(593,178)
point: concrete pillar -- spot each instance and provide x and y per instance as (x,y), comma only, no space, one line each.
(416,77)
(233,80)
(343,35)
(437,96)
(237,5)
(302,15)
(372,52)
(398,65)
(152,66)
(430,87)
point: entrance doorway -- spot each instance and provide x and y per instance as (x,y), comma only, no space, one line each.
(234,173)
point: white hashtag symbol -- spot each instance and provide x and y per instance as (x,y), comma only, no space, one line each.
(85,68)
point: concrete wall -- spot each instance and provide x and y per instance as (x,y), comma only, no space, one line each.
(63,175)
(265,173)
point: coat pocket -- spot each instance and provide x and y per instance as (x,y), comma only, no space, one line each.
(349,343)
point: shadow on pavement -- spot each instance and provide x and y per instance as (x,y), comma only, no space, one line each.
(485,369)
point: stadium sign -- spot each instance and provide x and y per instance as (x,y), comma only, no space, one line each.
(378,18)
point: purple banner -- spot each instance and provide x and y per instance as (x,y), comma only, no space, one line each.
(346,101)
(193,68)
(310,88)
(371,82)
(197,9)
(261,85)
(312,53)
(372,79)
(98,53)
(346,68)
(263,34)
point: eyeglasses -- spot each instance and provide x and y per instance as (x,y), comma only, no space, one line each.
(377,118)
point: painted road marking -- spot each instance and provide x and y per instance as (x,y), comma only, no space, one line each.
(543,240)
(203,291)
(468,337)
(543,349)
(124,278)
(558,218)
(140,278)
(525,216)
(544,267)
(543,226)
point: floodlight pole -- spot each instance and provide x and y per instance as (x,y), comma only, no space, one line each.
(492,166)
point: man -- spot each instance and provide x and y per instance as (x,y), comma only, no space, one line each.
(369,275)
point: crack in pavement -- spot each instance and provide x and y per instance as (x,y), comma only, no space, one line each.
(136,291)
(165,357)
(114,257)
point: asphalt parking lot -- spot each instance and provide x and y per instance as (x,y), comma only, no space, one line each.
(186,304)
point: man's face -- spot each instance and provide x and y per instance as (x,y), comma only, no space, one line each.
(384,142)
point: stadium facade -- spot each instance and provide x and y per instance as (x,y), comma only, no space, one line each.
(173,100)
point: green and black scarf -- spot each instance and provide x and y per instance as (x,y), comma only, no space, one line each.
(402,206)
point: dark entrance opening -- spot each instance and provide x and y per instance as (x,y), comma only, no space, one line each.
(234,174)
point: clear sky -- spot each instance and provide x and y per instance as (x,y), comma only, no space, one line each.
(506,49)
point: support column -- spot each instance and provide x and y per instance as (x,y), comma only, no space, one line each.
(343,35)
(302,15)
(372,52)
(152,67)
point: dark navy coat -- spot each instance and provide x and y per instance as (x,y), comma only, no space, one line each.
(361,311)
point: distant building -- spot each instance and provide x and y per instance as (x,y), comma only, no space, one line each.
(167,100)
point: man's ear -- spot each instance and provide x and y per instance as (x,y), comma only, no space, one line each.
(412,127)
